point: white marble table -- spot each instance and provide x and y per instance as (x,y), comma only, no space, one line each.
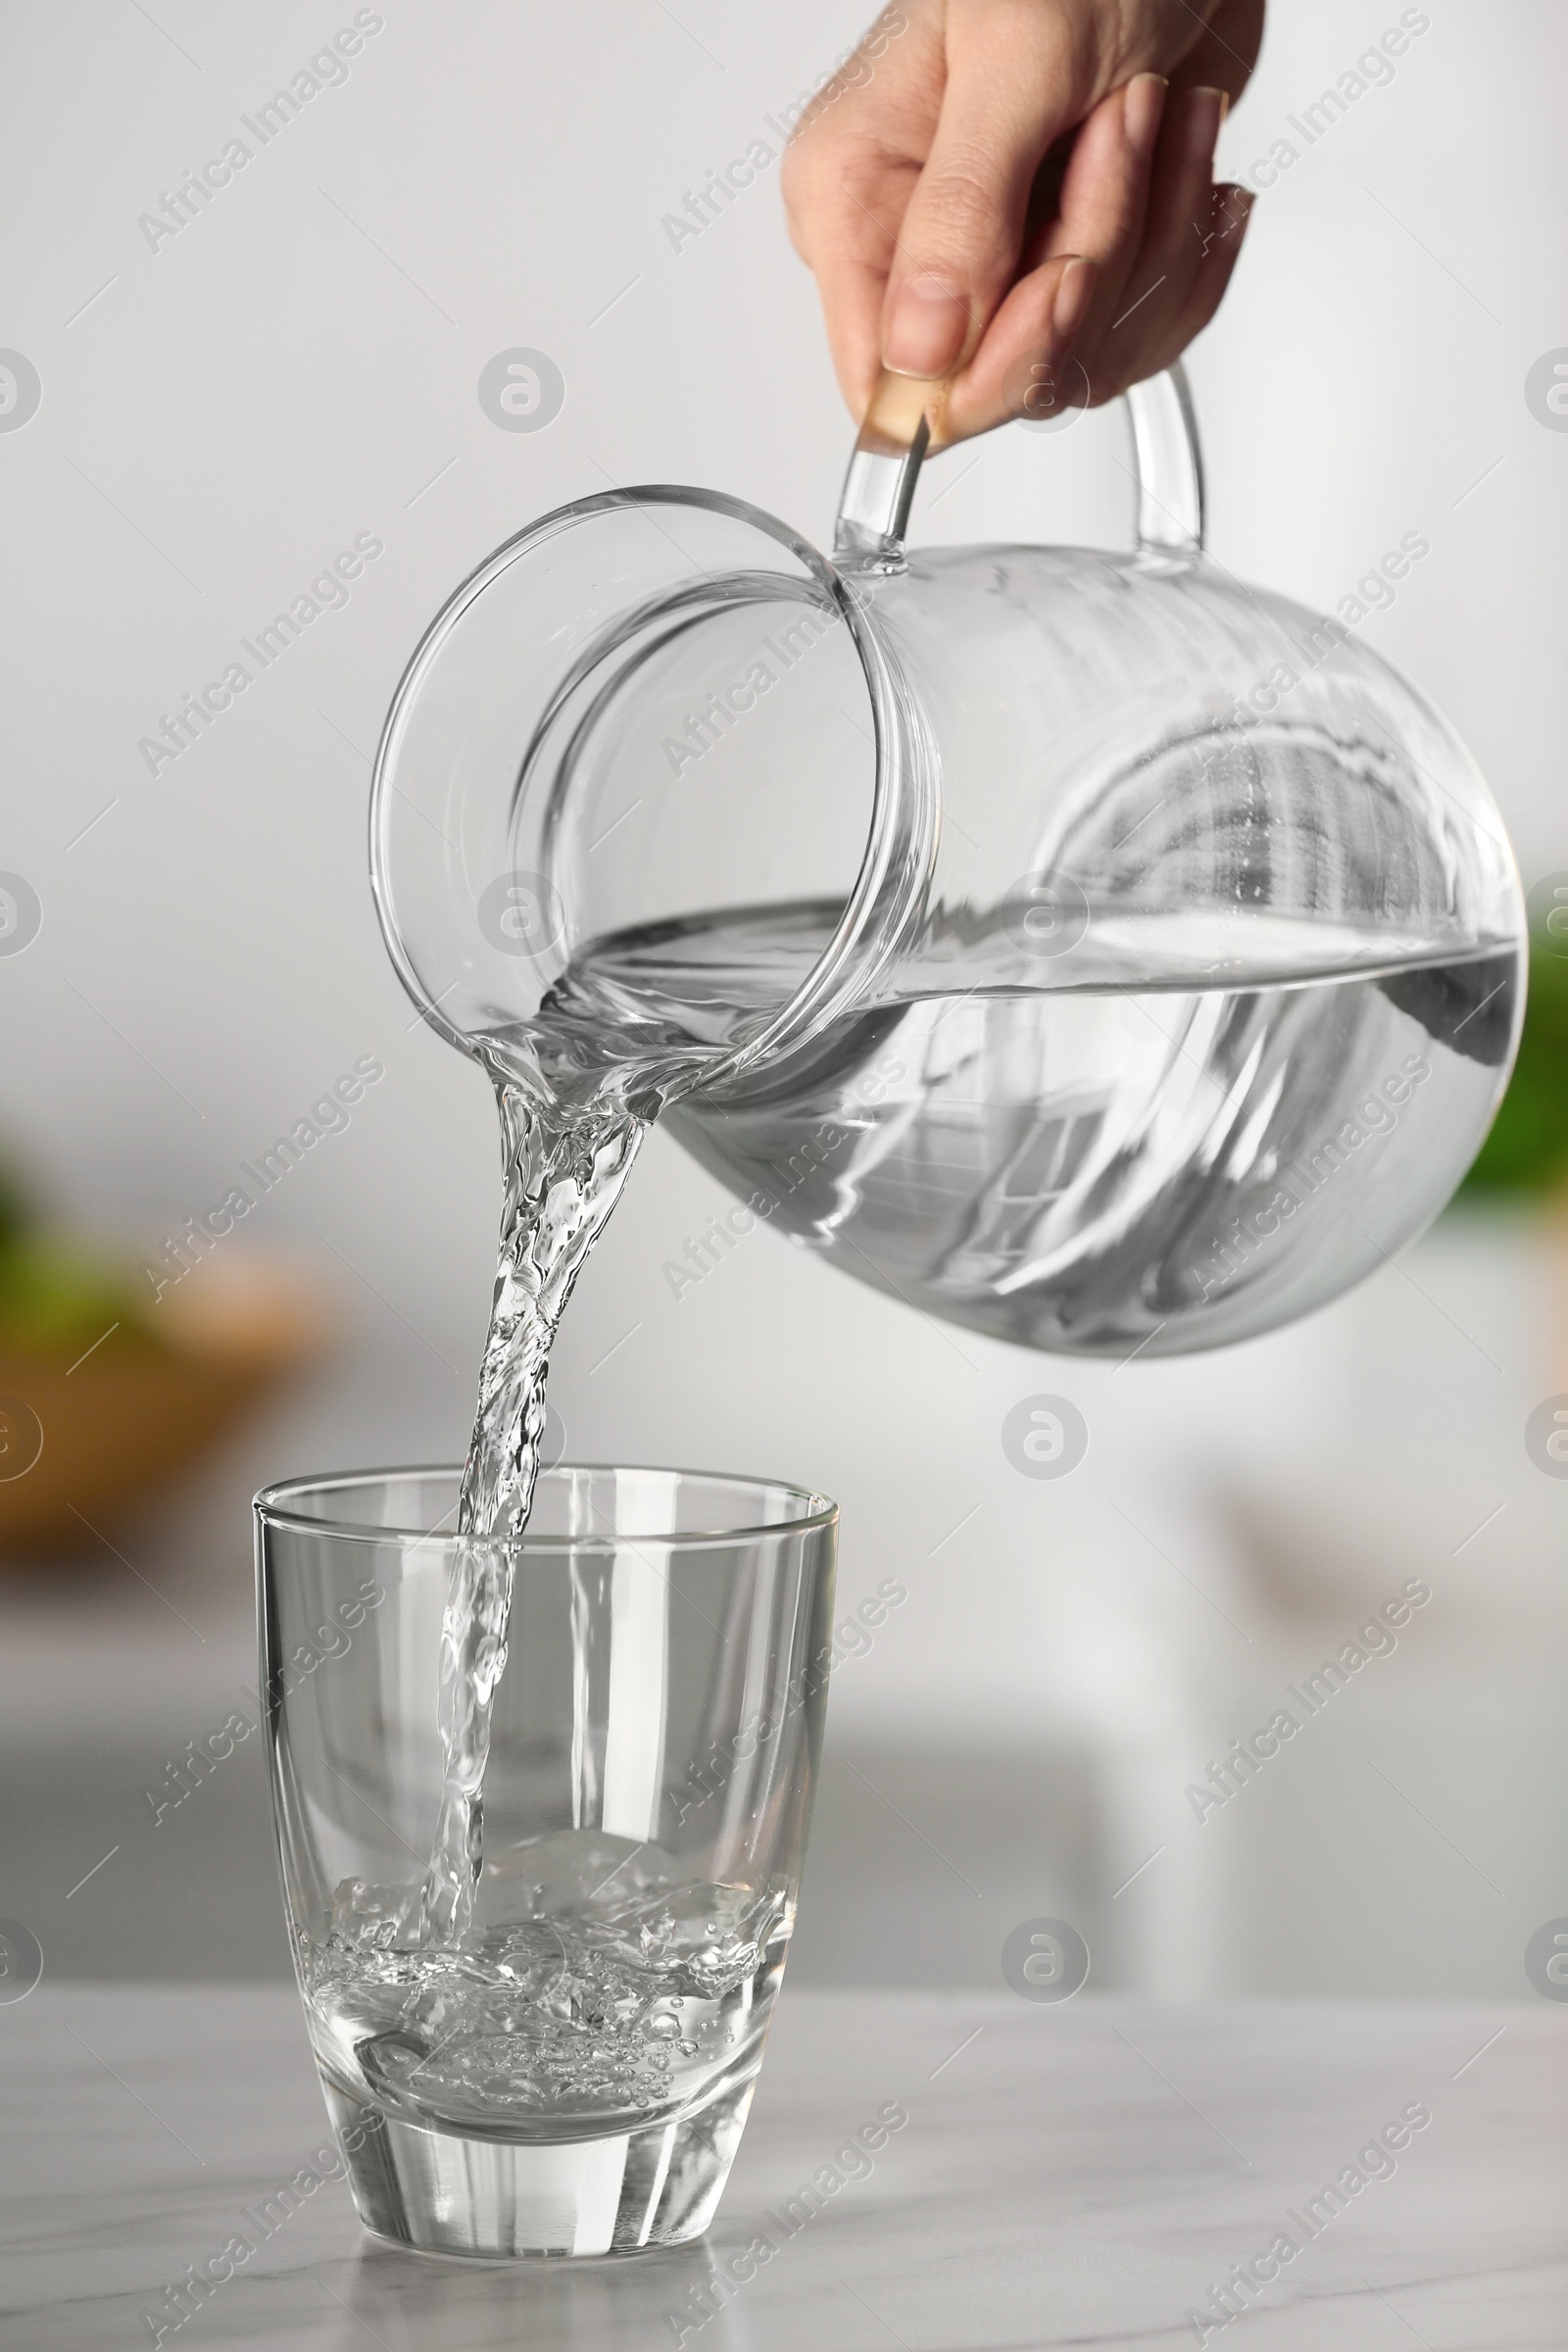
(1068,2176)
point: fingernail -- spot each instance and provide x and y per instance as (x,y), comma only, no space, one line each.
(1206,110)
(1142,110)
(1074,294)
(926,331)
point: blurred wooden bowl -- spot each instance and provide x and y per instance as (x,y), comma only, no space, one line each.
(82,1442)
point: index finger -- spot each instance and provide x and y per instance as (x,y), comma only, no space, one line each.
(1011,87)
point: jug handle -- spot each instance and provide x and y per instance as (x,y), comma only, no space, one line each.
(1168,469)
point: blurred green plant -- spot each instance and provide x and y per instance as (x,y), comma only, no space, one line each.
(1527,1150)
(16,1209)
(55,1291)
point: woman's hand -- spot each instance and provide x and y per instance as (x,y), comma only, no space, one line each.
(1016,197)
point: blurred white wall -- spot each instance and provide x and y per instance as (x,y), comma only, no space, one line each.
(221,415)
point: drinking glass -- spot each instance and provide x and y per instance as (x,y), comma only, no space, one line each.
(569,2073)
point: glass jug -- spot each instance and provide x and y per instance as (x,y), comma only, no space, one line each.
(1081,946)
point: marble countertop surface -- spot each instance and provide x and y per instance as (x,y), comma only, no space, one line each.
(1075,2173)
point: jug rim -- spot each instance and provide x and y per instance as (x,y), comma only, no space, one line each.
(904,800)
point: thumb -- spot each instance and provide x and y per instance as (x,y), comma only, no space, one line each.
(963,232)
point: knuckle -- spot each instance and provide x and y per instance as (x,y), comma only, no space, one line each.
(958,205)
(805,156)
(811,196)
